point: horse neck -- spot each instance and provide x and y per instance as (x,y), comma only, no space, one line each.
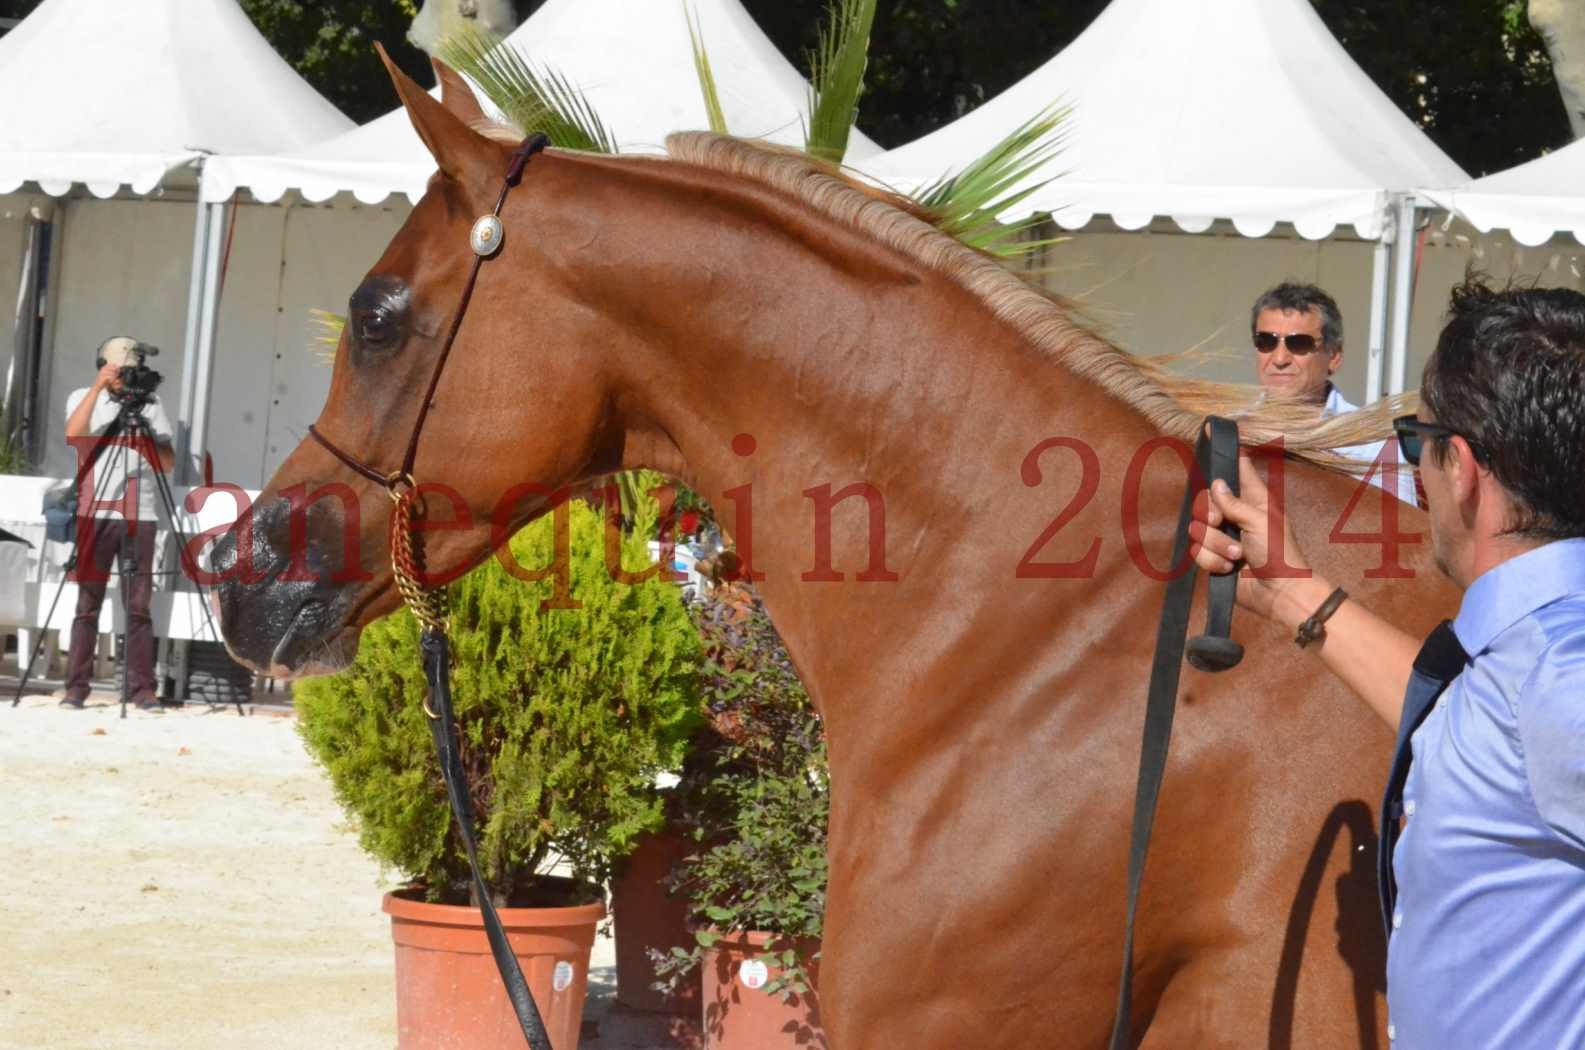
(734,311)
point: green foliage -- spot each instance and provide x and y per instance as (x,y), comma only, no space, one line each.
(760,806)
(836,75)
(966,204)
(13,457)
(707,85)
(932,61)
(1488,96)
(532,99)
(331,44)
(565,716)
(1473,74)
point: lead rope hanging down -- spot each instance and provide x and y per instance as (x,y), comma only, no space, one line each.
(429,606)
(1215,458)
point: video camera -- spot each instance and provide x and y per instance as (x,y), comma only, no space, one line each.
(138,380)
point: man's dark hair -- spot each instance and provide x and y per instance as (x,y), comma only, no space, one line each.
(1509,375)
(1302,298)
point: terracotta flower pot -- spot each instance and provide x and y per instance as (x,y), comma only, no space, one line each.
(645,917)
(448,994)
(739,1015)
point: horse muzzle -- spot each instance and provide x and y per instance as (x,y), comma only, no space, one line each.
(285,592)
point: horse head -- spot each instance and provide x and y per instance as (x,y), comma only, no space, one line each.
(308,566)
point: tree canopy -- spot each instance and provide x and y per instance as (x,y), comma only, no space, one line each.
(331,43)
(1472,73)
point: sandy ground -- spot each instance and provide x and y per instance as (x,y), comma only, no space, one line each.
(187,880)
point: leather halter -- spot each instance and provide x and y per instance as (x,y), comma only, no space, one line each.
(429,606)
(393,481)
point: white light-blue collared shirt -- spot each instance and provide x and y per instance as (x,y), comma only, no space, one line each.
(1488,940)
(1336,405)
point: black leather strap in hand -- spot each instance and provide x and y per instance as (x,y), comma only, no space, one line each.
(443,727)
(1216,458)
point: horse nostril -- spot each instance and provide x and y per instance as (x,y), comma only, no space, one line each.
(223,556)
(272,523)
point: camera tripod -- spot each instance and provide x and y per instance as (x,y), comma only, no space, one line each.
(128,433)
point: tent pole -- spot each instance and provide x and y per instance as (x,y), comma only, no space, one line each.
(209,315)
(1376,364)
(17,408)
(44,378)
(1402,293)
(195,297)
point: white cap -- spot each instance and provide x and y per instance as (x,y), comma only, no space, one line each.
(120,351)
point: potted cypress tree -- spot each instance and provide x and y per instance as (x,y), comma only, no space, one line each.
(756,804)
(565,719)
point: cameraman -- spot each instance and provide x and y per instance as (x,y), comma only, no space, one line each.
(119,476)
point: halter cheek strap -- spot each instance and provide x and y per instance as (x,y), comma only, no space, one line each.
(486,238)
(429,606)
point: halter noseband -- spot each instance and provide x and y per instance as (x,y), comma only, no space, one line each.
(485,239)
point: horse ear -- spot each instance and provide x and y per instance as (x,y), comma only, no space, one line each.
(457,96)
(459,151)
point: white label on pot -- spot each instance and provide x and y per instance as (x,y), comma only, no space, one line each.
(753,974)
(561,977)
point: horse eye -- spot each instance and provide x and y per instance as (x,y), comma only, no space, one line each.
(376,328)
(379,313)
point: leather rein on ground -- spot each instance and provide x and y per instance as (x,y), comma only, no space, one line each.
(429,606)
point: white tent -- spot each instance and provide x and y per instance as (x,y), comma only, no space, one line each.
(110,93)
(1247,110)
(1200,110)
(633,60)
(1533,201)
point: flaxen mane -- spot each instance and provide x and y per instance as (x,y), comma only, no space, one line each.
(1174,404)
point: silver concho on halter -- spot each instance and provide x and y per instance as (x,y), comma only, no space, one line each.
(487,236)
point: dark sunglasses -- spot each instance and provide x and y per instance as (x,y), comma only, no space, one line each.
(1413,434)
(1301,343)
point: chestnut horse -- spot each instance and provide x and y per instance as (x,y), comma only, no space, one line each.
(872,405)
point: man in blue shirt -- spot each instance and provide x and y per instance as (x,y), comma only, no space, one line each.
(1484,880)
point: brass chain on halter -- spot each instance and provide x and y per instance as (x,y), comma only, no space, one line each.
(426,603)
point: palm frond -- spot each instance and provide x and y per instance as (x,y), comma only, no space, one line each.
(324,334)
(837,66)
(701,66)
(532,98)
(966,204)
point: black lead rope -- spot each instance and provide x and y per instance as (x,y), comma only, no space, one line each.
(443,727)
(429,605)
(1216,457)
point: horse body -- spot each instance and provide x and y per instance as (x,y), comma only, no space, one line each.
(983,727)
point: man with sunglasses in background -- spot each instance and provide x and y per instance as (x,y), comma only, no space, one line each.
(1297,331)
(1482,854)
